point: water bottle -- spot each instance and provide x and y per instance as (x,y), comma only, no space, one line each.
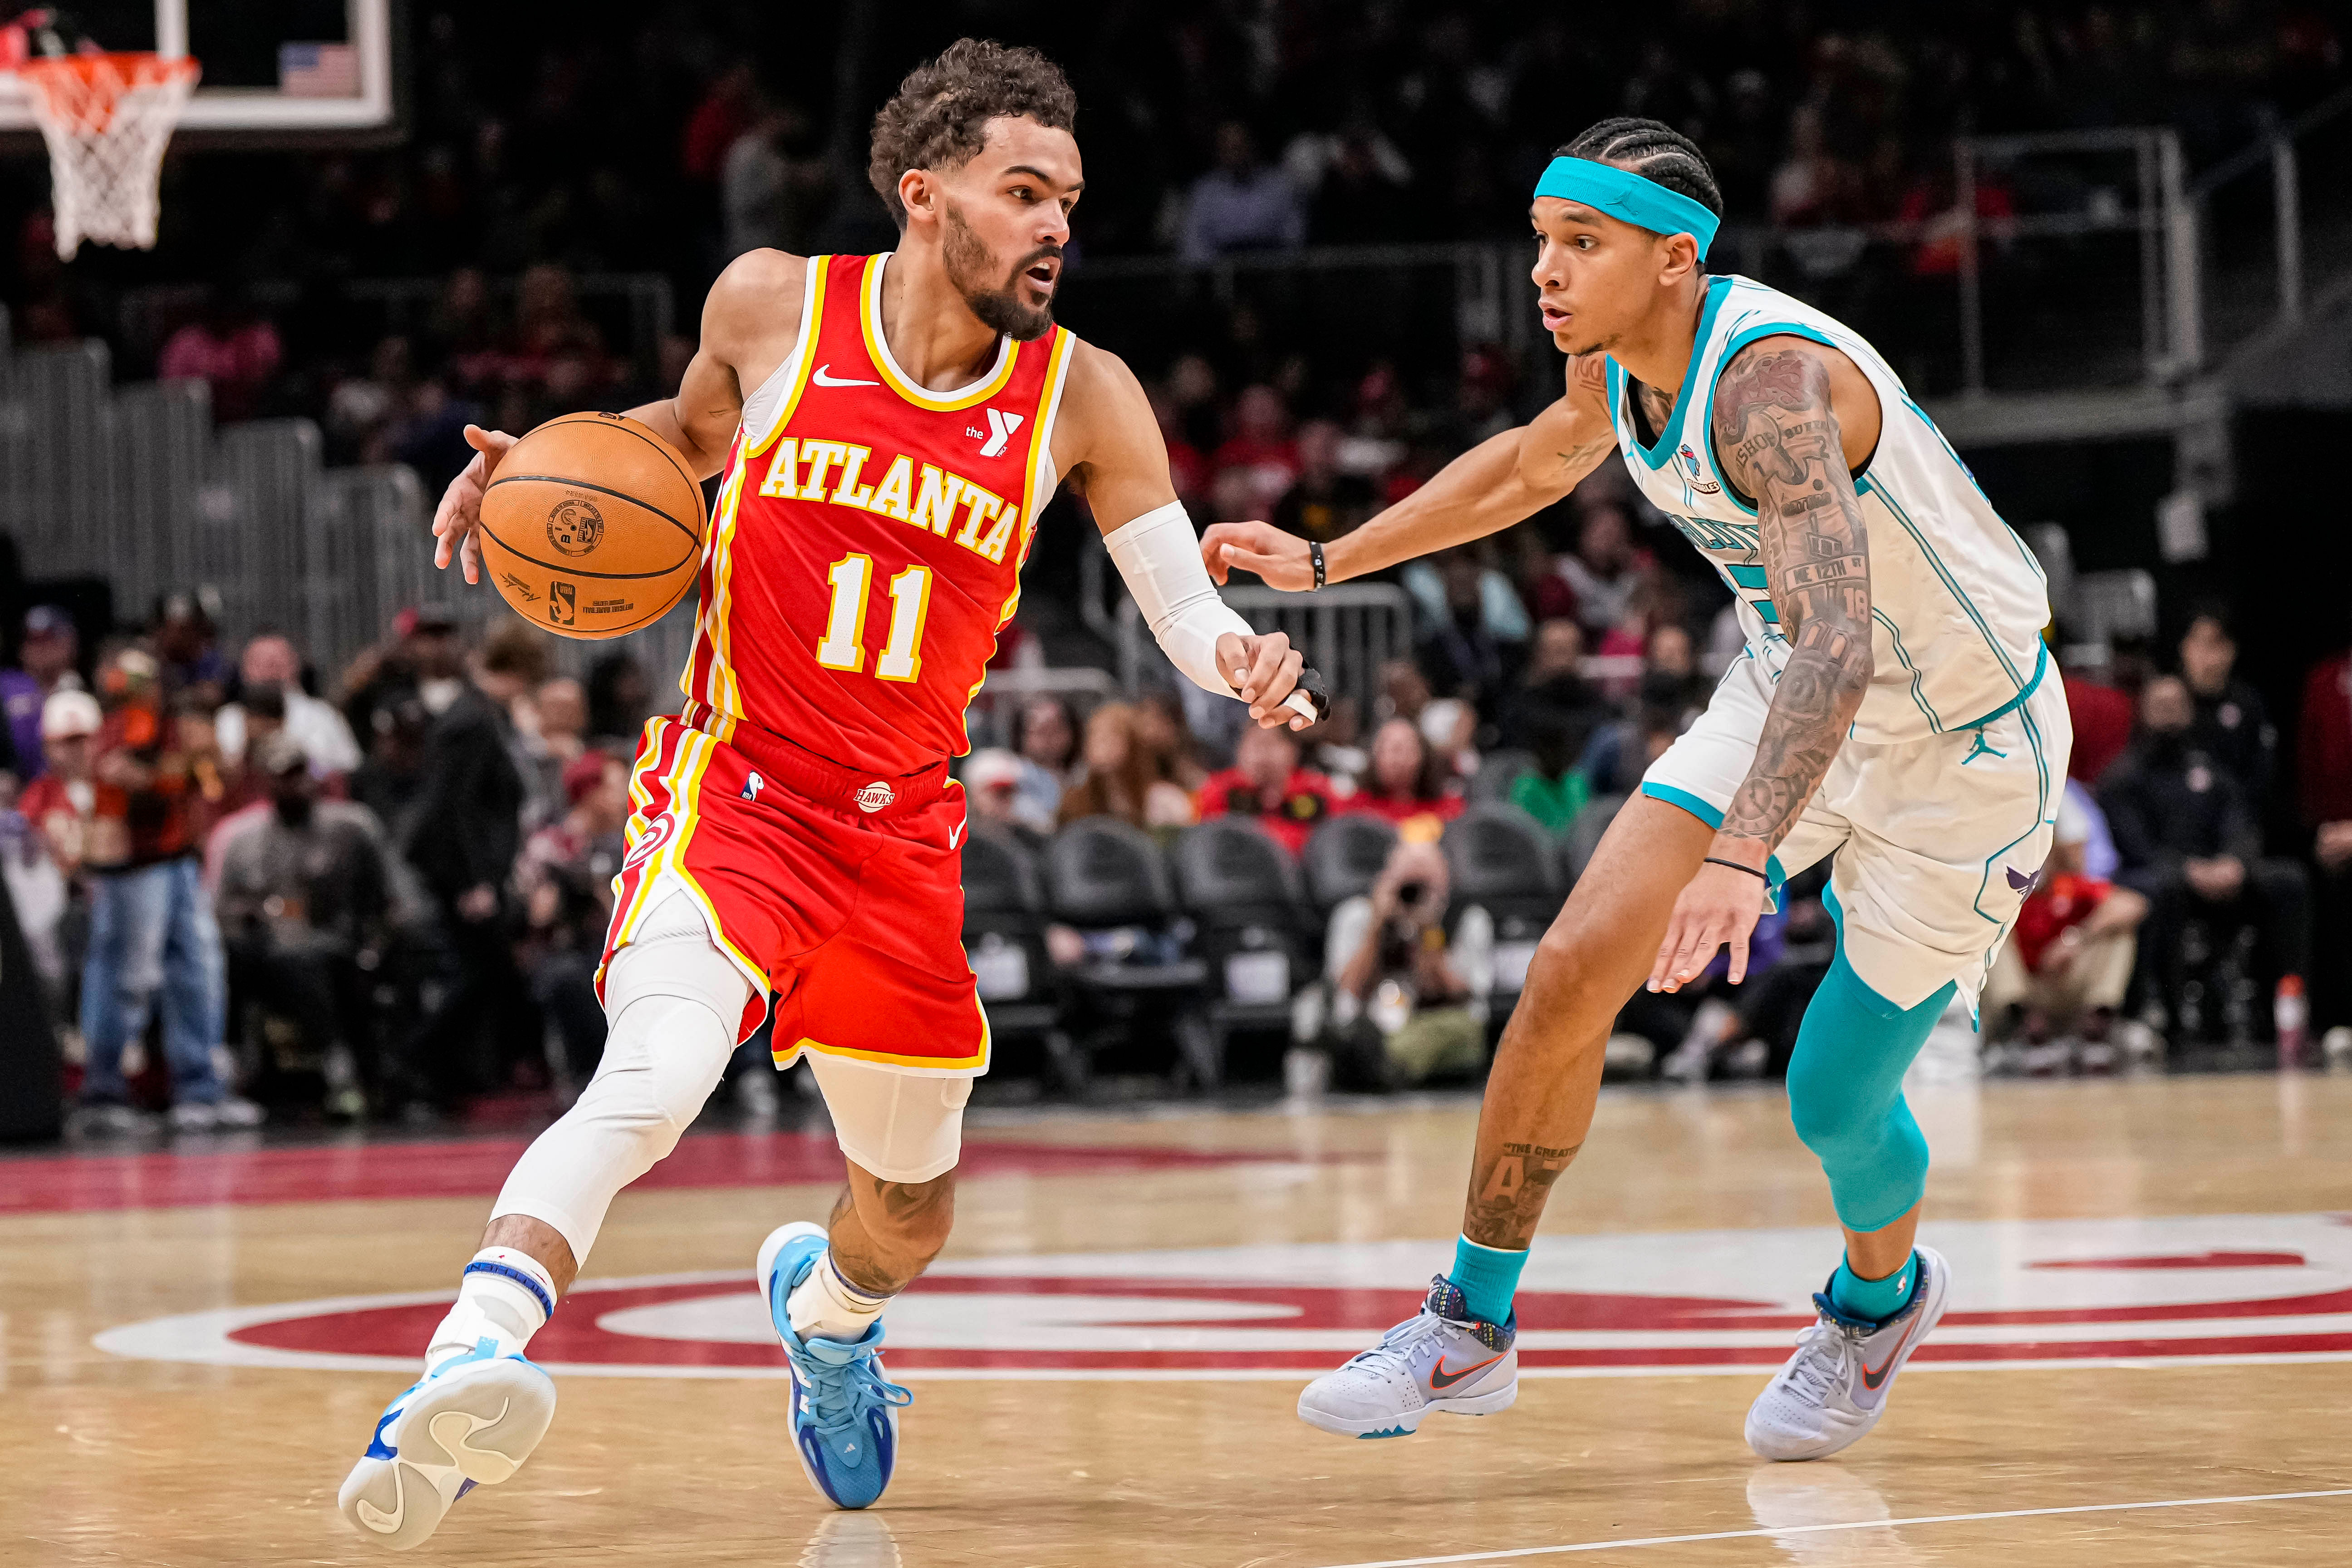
(2291,1017)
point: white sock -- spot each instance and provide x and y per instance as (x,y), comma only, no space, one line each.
(504,1295)
(831,1307)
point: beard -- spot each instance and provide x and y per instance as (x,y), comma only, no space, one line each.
(996,303)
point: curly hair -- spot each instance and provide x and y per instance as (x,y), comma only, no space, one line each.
(938,117)
(1653,150)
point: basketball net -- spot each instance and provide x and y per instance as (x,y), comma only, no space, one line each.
(107,120)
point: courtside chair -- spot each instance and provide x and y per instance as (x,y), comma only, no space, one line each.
(1251,927)
(1498,771)
(1582,838)
(1344,858)
(1107,880)
(1501,861)
(1004,939)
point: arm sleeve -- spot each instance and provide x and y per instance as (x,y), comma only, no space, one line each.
(1158,556)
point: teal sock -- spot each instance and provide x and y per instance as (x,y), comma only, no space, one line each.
(1489,1275)
(1876,1300)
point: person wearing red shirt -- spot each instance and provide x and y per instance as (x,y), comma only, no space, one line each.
(2069,958)
(2323,768)
(1265,782)
(1404,781)
(2102,725)
(62,801)
(152,939)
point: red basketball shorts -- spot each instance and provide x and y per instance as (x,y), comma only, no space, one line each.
(837,894)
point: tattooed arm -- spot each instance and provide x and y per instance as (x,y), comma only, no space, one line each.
(1501,480)
(1777,436)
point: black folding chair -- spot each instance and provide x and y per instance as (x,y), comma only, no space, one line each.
(1344,858)
(1107,880)
(1251,926)
(1501,861)
(1004,941)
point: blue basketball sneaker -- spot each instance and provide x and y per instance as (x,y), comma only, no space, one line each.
(473,1419)
(845,1414)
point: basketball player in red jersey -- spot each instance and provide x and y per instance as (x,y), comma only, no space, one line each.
(888,427)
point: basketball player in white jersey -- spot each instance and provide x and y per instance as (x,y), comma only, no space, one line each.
(796,840)
(1890,708)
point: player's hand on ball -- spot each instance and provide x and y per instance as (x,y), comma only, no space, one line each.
(1720,905)
(1264,669)
(460,511)
(1279,558)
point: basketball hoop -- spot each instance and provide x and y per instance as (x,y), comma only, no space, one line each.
(107,120)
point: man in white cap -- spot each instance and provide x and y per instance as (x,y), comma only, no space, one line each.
(61,801)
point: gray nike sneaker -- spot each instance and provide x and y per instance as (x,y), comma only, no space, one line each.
(1441,1358)
(1834,1389)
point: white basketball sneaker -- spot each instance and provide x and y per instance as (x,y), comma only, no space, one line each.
(472,1420)
(1441,1358)
(1834,1389)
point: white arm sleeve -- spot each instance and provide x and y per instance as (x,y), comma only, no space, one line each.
(1158,556)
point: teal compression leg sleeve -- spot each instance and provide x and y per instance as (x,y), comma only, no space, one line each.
(1845,1095)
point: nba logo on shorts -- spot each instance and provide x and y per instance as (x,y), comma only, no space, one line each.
(874,796)
(562,602)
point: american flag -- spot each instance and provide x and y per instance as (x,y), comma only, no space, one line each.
(318,71)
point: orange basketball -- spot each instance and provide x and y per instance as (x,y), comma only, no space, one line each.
(592,526)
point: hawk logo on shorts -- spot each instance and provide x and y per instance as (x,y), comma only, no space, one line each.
(874,796)
(1698,479)
(657,832)
(575,527)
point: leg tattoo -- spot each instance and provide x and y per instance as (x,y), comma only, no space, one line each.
(1508,1194)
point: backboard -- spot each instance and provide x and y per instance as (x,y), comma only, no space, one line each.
(272,67)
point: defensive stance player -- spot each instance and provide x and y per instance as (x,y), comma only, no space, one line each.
(1890,708)
(888,426)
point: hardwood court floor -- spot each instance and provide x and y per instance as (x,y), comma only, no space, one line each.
(2154,1312)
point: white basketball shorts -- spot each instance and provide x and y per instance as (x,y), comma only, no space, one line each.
(1937,840)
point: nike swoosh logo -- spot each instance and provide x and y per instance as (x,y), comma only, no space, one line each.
(1441,1378)
(957,834)
(1871,1380)
(375,1518)
(822,379)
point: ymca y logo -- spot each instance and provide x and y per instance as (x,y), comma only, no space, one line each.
(1001,426)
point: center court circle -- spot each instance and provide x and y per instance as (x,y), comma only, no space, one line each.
(2208,1290)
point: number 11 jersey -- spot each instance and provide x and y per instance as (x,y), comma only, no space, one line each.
(867,546)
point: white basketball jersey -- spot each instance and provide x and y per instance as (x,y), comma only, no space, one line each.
(1957,601)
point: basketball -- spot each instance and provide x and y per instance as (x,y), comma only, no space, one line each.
(592,526)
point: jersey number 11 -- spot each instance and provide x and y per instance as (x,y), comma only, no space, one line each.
(842,646)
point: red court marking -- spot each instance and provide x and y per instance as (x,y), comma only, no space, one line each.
(574,1335)
(2198,1261)
(477,1167)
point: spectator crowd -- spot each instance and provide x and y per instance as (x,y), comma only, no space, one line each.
(385,898)
(383,892)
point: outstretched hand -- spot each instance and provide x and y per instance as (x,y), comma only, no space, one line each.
(1718,905)
(460,513)
(1279,558)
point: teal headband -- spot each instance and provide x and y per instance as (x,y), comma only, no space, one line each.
(1622,193)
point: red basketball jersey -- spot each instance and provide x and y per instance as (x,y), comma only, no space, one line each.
(868,542)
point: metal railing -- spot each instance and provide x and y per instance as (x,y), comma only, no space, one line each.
(2235,188)
(136,486)
(1956,299)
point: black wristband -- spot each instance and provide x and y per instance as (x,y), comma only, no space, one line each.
(1762,877)
(1315,553)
